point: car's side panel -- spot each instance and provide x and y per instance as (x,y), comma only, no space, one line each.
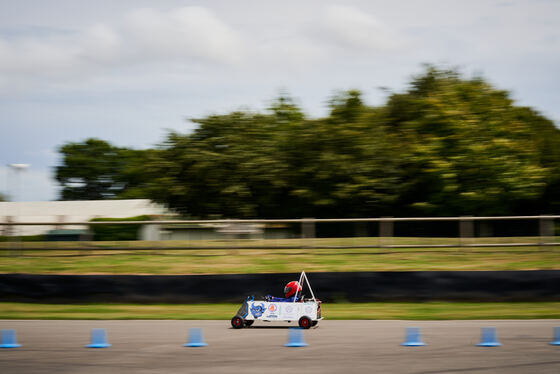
(280,311)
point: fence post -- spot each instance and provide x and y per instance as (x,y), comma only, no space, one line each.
(546,229)
(386,231)
(466,230)
(7,230)
(60,222)
(15,247)
(308,229)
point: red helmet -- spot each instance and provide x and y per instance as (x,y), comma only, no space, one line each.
(291,288)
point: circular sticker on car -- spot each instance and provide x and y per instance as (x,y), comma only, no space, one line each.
(273,308)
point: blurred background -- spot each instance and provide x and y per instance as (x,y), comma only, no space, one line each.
(225,138)
(128,72)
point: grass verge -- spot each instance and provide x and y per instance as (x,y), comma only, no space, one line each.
(239,261)
(385,311)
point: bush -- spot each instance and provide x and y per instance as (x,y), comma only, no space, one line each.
(29,238)
(116,232)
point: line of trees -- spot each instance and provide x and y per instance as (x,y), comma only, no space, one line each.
(447,146)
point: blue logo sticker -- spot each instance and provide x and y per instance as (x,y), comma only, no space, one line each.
(257,310)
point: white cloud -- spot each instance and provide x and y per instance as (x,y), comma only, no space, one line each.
(188,32)
(185,35)
(351,27)
(285,56)
(191,40)
(36,56)
(101,43)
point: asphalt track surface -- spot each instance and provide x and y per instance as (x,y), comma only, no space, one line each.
(334,347)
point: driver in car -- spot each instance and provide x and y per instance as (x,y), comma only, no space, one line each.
(290,291)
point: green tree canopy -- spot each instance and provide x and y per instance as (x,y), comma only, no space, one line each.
(95,169)
(279,164)
(468,149)
(446,146)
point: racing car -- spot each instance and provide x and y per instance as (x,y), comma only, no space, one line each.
(306,311)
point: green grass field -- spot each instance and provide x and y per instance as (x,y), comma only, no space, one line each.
(230,261)
(382,311)
(161,258)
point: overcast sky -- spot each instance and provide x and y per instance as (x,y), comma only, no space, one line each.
(127,71)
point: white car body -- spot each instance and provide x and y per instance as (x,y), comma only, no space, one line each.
(305,311)
(282,311)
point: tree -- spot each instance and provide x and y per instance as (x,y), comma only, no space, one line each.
(446,146)
(279,164)
(227,167)
(133,177)
(467,148)
(347,106)
(95,170)
(341,165)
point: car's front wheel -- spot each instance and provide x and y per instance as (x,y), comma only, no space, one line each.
(237,322)
(249,322)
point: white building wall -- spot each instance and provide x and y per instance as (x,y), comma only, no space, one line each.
(73,211)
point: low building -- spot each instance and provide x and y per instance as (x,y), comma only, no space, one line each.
(70,211)
(57,214)
(216,231)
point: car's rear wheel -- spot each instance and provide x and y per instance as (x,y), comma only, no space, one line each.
(304,322)
(237,322)
(249,322)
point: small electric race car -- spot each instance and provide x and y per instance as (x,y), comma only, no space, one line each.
(307,311)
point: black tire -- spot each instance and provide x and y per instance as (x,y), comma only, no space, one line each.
(304,322)
(237,322)
(249,322)
(314,323)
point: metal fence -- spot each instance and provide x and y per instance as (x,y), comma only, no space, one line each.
(384,232)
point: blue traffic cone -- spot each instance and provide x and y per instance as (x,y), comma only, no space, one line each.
(556,340)
(9,339)
(98,339)
(413,337)
(296,338)
(196,339)
(489,338)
